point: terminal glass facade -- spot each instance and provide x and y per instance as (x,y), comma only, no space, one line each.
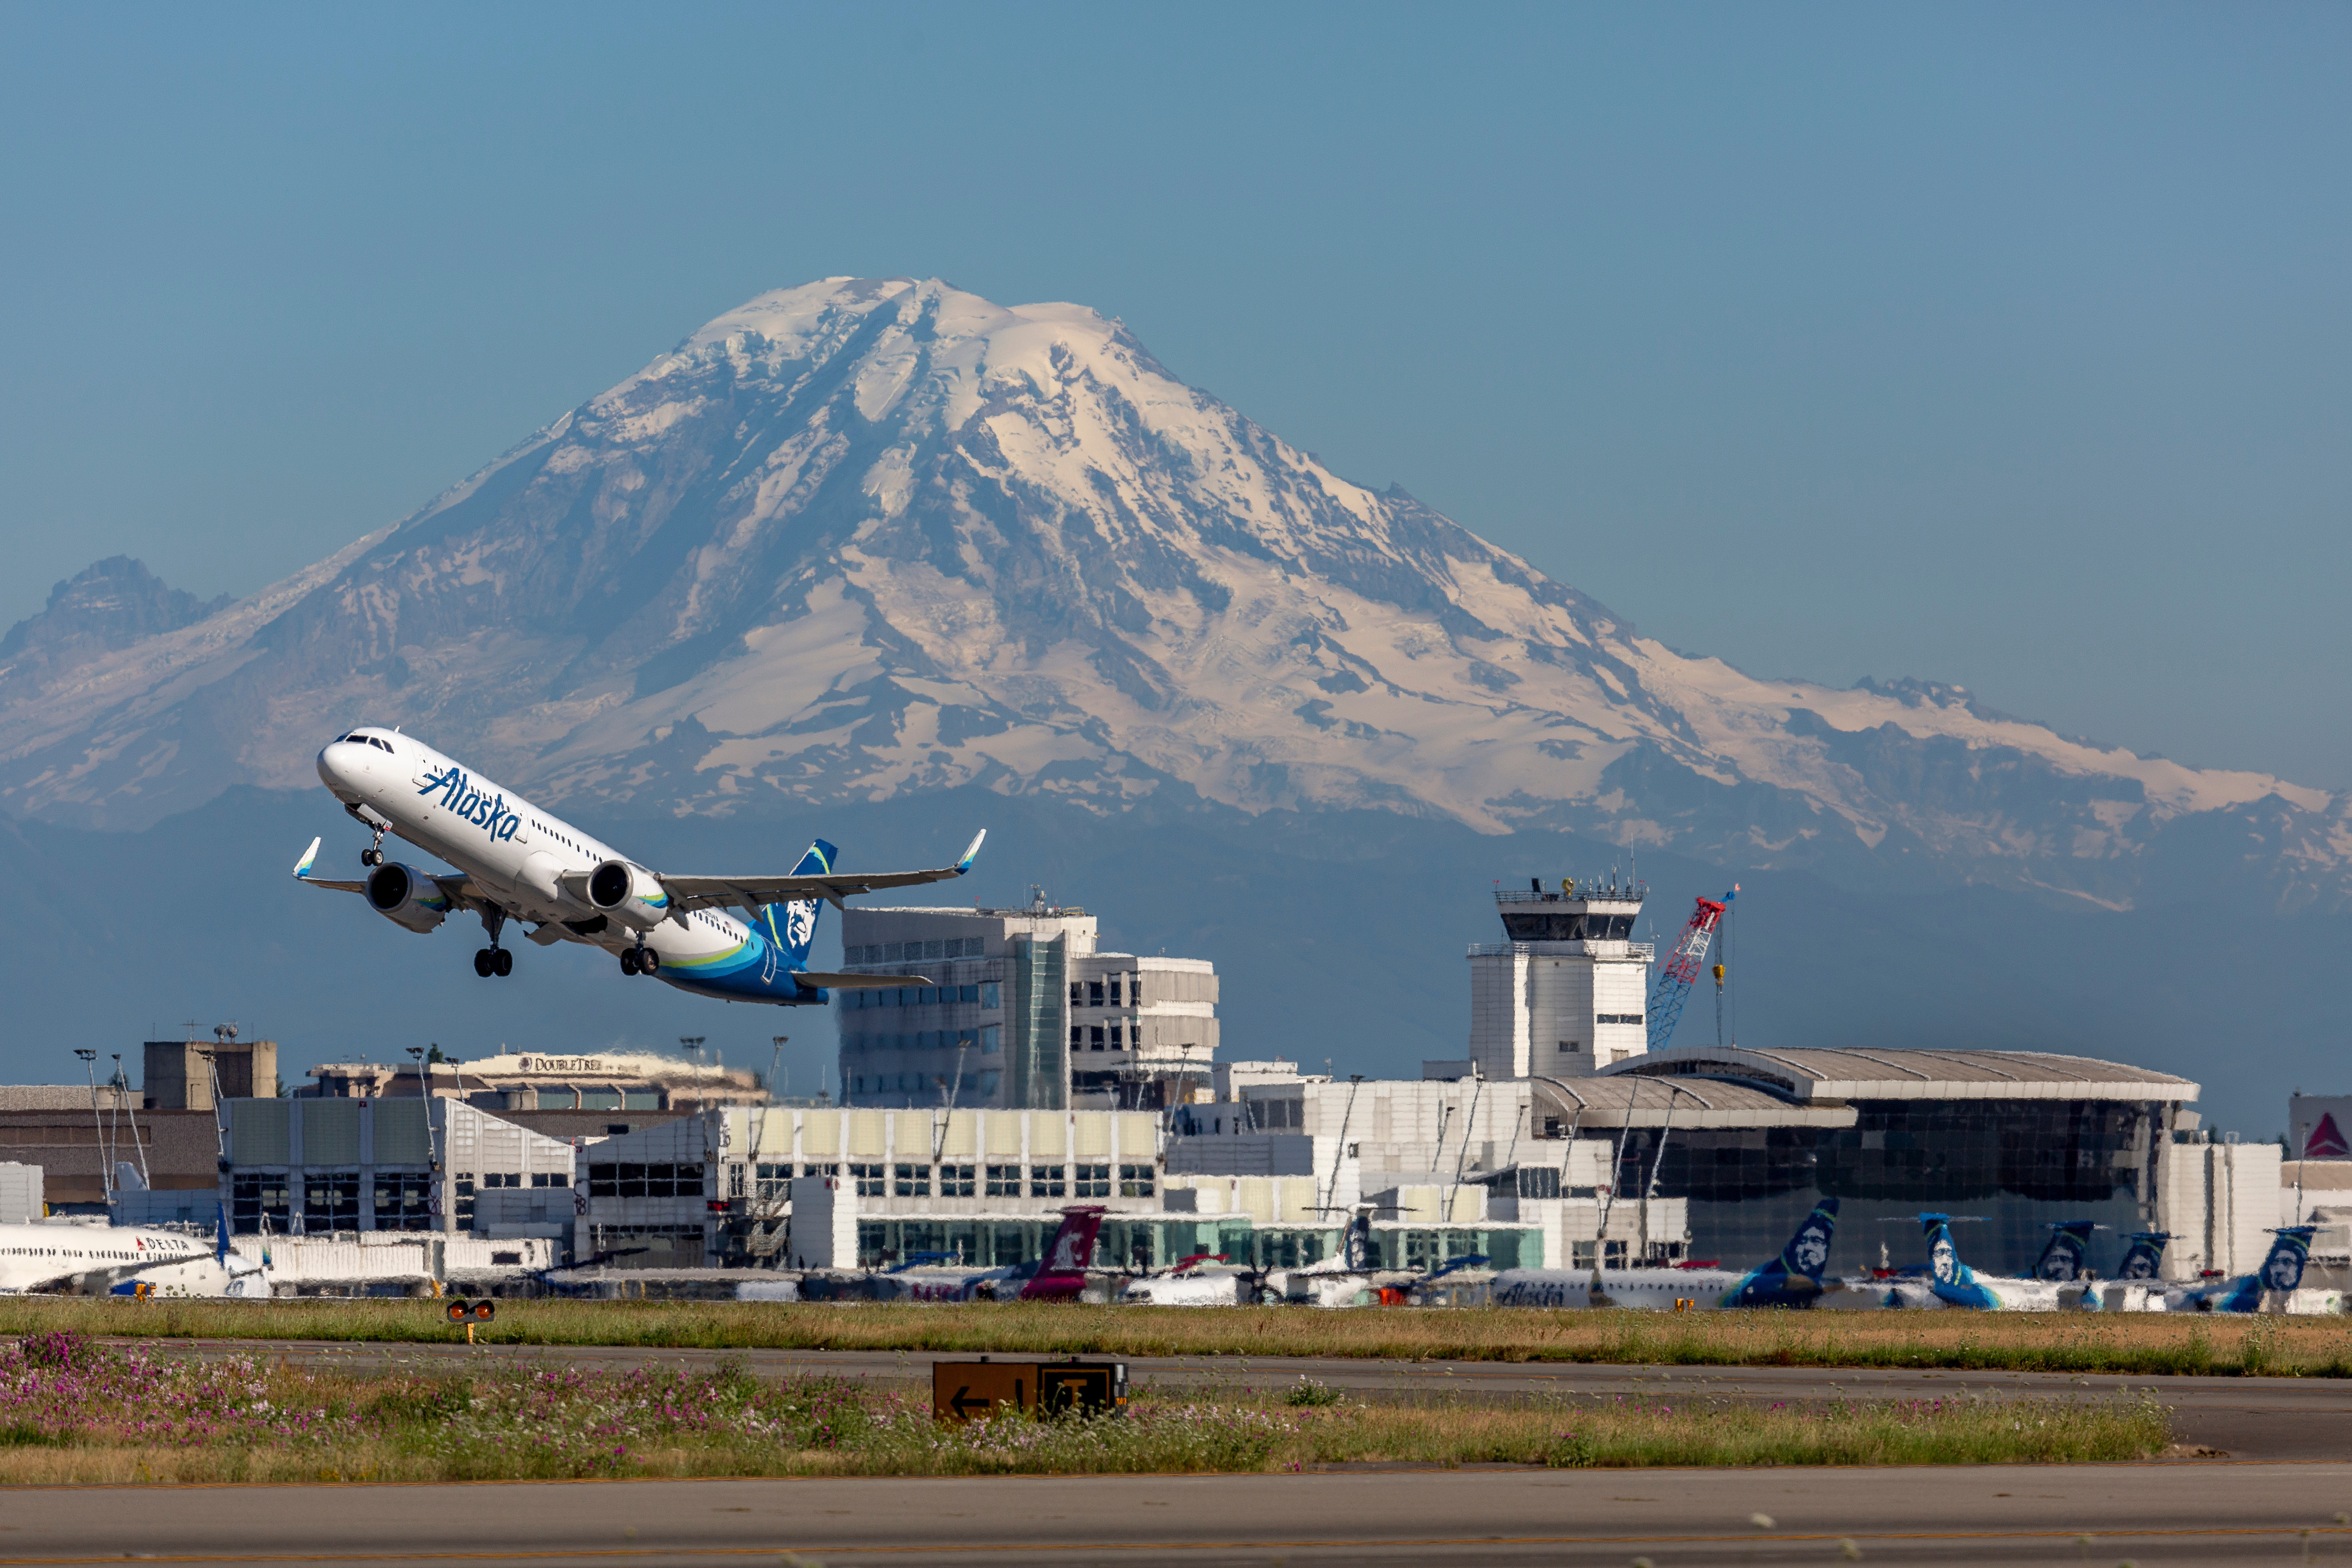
(2021,1164)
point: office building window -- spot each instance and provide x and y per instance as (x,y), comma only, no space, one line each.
(871,1180)
(502,1178)
(1078,1036)
(1117,1036)
(774,1181)
(914,1182)
(955,1181)
(992,1038)
(550,1179)
(1091,1182)
(1005,1181)
(1113,982)
(404,1201)
(1046,1182)
(992,995)
(331,1203)
(1135,1181)
(1078,993)
(1093,993)
(1095,1038)
(464,1185)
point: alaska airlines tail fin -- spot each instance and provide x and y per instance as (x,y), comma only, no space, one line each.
(1062,1272)
(2062,1261)
(1951,1279)
(2143,1259)
(1796,1274)
(2283,1269)
(792,927)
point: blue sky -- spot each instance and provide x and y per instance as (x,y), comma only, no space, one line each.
(2006,346)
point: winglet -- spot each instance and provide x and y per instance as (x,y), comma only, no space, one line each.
(971,852)
(303,867)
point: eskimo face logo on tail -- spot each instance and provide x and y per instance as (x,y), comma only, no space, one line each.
(800,924)
(459,796)
(1809,1249)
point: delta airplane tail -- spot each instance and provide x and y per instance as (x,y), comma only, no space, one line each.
(1796,1275)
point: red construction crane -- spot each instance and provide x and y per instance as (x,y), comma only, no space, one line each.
(1679,969)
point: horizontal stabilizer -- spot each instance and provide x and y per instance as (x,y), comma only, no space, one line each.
(860,982)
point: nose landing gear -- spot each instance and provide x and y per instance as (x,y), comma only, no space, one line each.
(373,854)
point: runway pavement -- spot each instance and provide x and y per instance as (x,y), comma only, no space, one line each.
(2106,1514)
(2245,1417)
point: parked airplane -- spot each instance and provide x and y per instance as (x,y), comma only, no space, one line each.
(2275,1287)
(1059,1275)
(1791,1280)
(66,1259)
(743,939)
(2055,1284)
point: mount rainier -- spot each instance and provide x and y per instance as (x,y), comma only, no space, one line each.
(863,540)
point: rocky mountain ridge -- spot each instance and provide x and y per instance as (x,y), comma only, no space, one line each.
(866,538)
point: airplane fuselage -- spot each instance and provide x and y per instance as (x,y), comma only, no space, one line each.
(518,854)
(81,1256)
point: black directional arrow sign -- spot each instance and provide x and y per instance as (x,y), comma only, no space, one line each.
(966,1390)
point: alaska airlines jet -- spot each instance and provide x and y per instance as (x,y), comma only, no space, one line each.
(123,1260)
(1949,1282)
(743,939)
(1791,1280)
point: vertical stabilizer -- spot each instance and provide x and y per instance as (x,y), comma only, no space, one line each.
(2143,1259)
(791,927)
(2063,1259)
(2282,1271)
(1796,1274)
(1063,1273)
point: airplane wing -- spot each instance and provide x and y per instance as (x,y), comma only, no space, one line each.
(456,886)
(303,873)
(749,892)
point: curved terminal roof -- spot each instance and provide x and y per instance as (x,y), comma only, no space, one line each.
(1630,1101)
(1810,1075)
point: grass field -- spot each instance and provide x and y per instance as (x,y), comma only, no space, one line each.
(2136,1345)
(74,1411)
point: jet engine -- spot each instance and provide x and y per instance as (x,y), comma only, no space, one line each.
(406,896)
(629,894)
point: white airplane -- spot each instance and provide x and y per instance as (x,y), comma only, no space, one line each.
(124,1261)
(743,939)
(1791,1280)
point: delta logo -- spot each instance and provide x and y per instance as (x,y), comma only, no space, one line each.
(2326,1141)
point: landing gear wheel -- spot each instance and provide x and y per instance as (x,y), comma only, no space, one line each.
(370,857)
(628,961)
(482,962)
(648,961)
(503,962)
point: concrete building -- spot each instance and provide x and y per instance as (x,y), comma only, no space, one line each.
(609,1080)
(1025,1013)
(189,1074)
(308,1167)
(82,1156)
(22,1196)
(1563,996)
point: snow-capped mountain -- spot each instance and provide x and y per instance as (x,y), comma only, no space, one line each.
(863,538)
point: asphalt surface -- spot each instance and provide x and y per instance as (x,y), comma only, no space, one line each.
(2142,1514)
(2286,1418)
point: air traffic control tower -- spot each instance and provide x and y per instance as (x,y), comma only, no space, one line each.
(1564,996)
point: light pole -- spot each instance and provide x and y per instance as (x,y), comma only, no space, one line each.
(693,1044)
(105,1172)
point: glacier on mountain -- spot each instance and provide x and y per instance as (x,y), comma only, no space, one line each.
(867,537)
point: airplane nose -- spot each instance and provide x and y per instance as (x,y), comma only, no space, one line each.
(340,763)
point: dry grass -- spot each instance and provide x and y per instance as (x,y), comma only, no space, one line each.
(72,1412)
(2137,1344)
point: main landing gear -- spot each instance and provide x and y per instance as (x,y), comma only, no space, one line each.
(493,959)
(640,960)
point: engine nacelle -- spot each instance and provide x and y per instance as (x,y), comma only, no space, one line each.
(406,896)
(628,893)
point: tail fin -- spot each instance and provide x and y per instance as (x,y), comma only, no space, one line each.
(2283,1269)
(1951,1279)
(220,1236)
(1062,1271)
(792,927)
(2062,1261)
(1792,1278)
(2143,1259)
